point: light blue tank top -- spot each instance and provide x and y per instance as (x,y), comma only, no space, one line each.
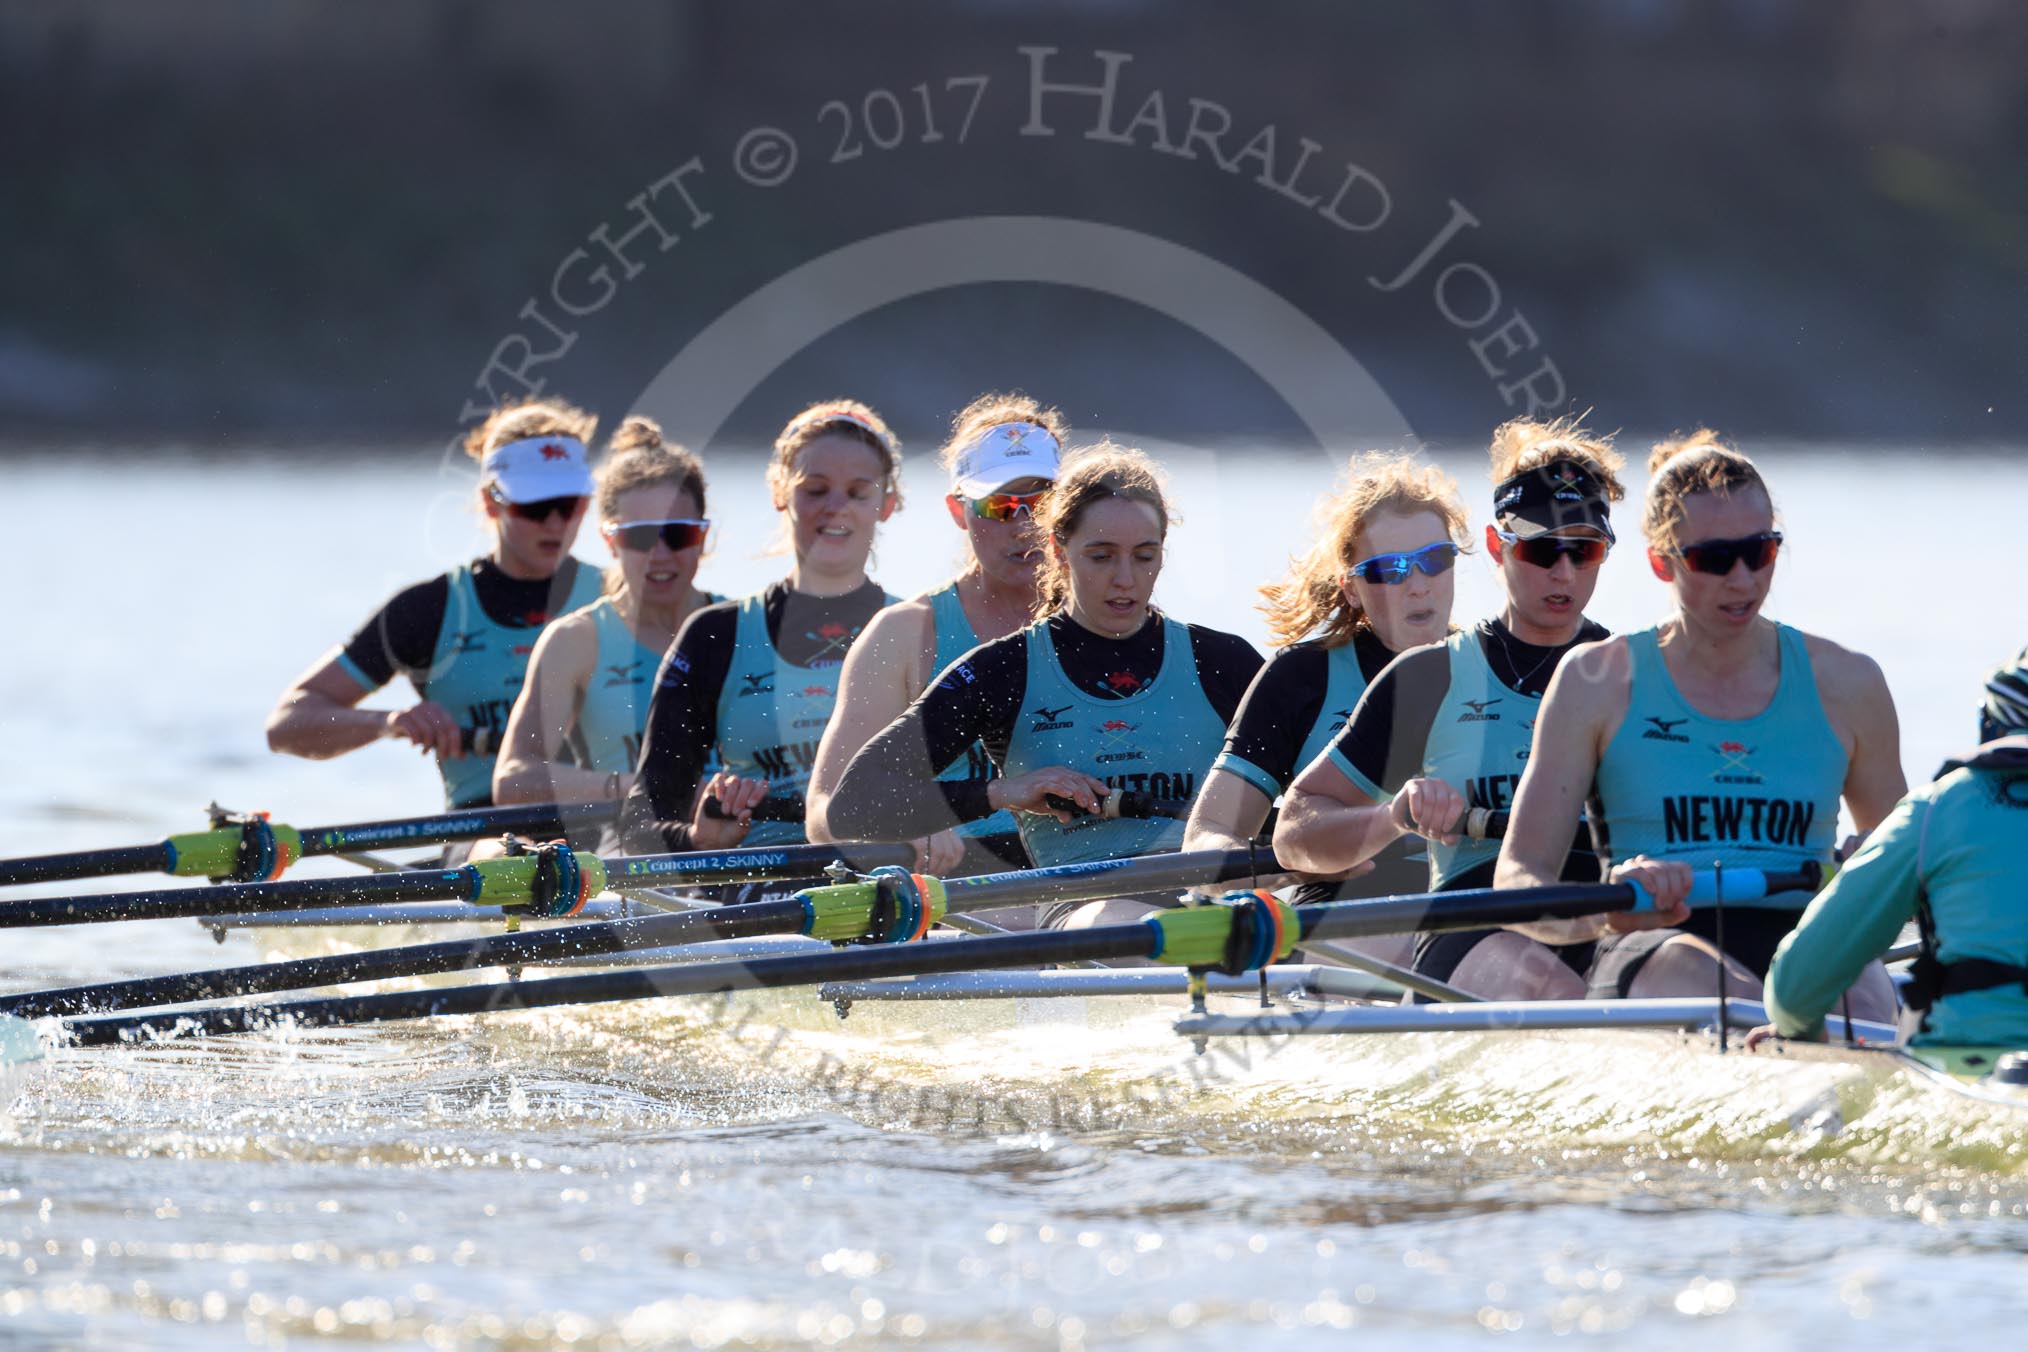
(1479,746)
(476,672)
(1758,792)
(1344,683)
(954,638)
(1160,742)
(771,715)
(614,715)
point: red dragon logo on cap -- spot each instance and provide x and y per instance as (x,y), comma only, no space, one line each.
(554,452)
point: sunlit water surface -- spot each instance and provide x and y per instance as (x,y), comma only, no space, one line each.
(611,1179)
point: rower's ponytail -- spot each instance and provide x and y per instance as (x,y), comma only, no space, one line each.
(1090,475)
(1312,598)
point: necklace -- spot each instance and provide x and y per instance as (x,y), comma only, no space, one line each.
(1516,679)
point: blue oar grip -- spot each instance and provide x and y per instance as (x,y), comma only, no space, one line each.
(1644,900)
(1741,884)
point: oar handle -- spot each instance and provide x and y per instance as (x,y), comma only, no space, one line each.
(1126,805)
(479,741)
(788,807)
(1485,823)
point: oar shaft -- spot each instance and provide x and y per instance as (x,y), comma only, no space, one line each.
(746,863)
(304,894)
(1486,907)
(1110,877)
(1341,919)
(178,902)
(525,819)
(53,868)
(499,950)
(542,820)
(743,921)
(1012,950)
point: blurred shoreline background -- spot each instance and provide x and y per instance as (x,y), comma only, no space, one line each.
(310,223)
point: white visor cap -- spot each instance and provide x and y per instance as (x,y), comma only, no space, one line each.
(535,468)
(1016,450)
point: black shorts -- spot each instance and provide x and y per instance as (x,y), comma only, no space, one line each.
(1752,933)
(1438,955)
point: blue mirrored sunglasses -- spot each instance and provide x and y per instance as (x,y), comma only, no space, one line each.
(1388,569)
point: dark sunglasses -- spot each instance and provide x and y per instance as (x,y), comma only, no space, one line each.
(1388,569)
(1005,506)
(1718,556)
(542,508)
(675,532)
(1585,551)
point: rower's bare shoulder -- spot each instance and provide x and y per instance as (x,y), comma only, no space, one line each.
(1603,663)
(896,629)
(570,638)
(1845,677)
(893,643)
(1841,670)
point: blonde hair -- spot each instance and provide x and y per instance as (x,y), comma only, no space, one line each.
(1523,444)
(1312,597)
(638,457)
(550,417)
(989,411)
(840,417)
(1684,466)
(1090,475)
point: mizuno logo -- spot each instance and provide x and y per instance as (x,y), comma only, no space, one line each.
(757,683)
(1478,712)
(466,643)
(1664,730)
(1048,719)
(627,674)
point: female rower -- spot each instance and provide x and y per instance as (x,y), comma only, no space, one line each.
(1103,694)
(1362,611)
(754,680)
(463,638)
(1716,736)
(1002,456)
(1446,729)
(1949,857)
(575,733)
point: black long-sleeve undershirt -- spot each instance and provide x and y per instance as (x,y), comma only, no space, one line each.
(682,723)
(1389,732)
(1286,698)
(890,790)
(401,638)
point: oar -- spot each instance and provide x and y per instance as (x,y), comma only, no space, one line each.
(246,847)
(551,880)
(838,912)
(1228,937)
(1128,805)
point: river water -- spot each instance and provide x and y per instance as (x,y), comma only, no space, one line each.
(616,1179)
